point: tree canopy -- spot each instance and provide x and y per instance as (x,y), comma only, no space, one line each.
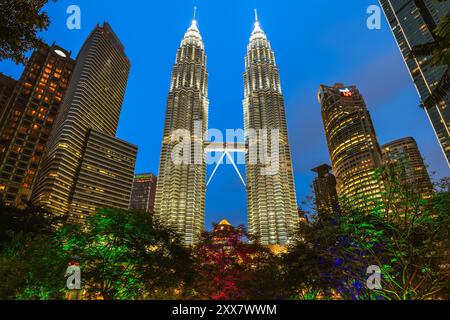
(20,22)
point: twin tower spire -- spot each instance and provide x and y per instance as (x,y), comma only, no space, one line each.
(194,32)
(181,189)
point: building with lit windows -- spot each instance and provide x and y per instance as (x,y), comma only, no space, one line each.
(143,192)
(404,155)
(271,196)
(413,23)
(327,200)
(88,120)
(105,177)
(353,145)
(7,86)
(181,188)
(28,119)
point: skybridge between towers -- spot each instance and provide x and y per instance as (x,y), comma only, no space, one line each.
(227,149)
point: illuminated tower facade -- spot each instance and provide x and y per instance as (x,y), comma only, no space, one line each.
(413,23)
(81,170)
(404,154)
(271,197)
(181,187)
(353,145)
(28,120)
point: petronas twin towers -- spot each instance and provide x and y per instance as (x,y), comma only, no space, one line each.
(181,189)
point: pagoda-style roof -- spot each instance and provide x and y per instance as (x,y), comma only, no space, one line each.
(224,222)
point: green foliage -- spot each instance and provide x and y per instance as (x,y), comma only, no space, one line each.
(29,254)
(124,255)
(127,255)
(18,226)
(20,21)
(407,237)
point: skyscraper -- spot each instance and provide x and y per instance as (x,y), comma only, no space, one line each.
(90,109)
(28,118)
(143,192)
(105,177)
(413,23)
(272,204)
(180,194)
(405,155)
(327,200)
(352,143)
(7,85)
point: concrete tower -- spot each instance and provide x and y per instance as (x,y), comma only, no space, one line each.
(272,204)
(181,188)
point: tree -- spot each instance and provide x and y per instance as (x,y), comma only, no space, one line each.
(36,272)
(407,238)
(231,265)
(21,225)
(30,256)
(127,255)
(20,21)
(123,255)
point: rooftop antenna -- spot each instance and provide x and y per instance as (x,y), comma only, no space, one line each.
(195,13)
(256,15)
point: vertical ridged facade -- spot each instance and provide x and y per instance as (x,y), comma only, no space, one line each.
(93,101)
(28,120)
(413,23)
(271,199)
(181,188)
(353,145)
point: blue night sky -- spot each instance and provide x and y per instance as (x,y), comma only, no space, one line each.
(315,42)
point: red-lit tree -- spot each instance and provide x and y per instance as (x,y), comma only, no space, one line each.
(231,265)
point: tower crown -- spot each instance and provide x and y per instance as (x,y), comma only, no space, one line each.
(258,32)
(192,35)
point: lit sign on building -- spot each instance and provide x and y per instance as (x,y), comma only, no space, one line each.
(346,92)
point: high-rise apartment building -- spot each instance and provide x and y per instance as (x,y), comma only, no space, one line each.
(271,197)
(413,23)
(181,188)
(28,119)
(88,119)
(7,86)
(327,200)
(353,145)
(404,155)
(143,192)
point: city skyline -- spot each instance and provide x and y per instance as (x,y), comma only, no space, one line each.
(304,154)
